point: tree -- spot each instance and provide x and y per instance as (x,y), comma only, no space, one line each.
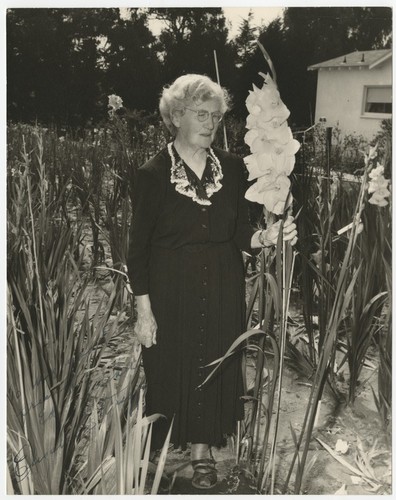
(132,68)
(245,41)
(372,28)
(251,60)
(37,55)
(331,31)
(316,34)
(307,36)
(62,63)
(188,40)
(53,75)
(89,27)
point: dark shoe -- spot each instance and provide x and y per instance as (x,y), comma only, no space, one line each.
(205,474)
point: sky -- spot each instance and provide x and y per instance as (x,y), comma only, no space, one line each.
(234,16)
(261,15)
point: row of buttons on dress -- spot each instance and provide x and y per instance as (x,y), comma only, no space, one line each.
(202,330)
(204,224)
(203,313)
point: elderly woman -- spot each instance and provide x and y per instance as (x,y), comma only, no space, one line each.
(190,225)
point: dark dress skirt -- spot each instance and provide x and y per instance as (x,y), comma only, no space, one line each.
(187,257)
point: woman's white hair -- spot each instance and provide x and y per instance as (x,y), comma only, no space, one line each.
(186,90)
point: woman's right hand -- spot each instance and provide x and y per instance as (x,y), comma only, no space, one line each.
(146,329)
(146,325)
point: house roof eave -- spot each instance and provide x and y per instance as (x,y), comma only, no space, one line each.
(380,61)
(339,63)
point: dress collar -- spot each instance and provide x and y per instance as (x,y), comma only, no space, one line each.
(199,190)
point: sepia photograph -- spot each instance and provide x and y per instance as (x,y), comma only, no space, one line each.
(198,250)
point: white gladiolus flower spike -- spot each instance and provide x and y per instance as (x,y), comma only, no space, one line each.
(272,195)
(272,147)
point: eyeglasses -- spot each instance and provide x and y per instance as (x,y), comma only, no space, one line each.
(203,115)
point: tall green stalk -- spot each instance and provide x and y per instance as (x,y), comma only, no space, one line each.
(54,346)
(342,299)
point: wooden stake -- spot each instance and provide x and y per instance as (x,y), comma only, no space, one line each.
(218,81)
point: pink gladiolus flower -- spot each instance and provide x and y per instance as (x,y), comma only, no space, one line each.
(378,184)
(377,172)
(373,152)
(376,199)
(359,228)
(115,102)
(383,192)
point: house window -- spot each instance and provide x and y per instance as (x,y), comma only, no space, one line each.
(378,100)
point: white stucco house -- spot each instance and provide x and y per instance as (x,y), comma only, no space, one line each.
(354,91)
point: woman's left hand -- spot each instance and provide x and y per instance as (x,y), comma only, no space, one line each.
(269,236)
(290,230)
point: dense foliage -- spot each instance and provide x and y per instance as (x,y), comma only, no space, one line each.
(62,63)
(74,359)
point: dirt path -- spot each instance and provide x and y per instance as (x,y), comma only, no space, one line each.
(357,427)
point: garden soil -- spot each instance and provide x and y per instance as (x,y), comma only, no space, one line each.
(358,427)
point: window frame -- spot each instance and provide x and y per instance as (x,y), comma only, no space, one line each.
(368,114)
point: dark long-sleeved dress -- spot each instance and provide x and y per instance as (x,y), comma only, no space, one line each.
(185,252)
